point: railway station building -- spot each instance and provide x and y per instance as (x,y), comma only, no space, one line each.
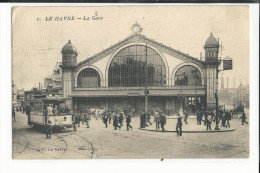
(119,75)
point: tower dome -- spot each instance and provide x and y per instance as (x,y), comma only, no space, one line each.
(211,41)
(69,48)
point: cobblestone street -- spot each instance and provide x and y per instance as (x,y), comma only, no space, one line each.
(98,142)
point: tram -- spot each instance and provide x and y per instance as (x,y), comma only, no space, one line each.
(54,109)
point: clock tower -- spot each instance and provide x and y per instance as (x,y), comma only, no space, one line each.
(69,62)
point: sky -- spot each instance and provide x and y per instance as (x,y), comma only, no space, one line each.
(37,43)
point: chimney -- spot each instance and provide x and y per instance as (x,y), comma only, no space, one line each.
(201,56)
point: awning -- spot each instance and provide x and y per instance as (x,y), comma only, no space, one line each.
(122,93)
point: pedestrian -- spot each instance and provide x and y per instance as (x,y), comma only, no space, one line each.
(115,121)
(243,117)
(78,118)
(121,118)
(28,113)
(83,118)
(223,117)
(142,119)
(205,117)
(88,118)
(149,117)
(13,114)
(157,120)
(185,116)
(198,117)
(105,118)
(228,118)
(109,116)
(74,123)
(209,121)
(179,126)
(48,129)
(128,121)
(163,121)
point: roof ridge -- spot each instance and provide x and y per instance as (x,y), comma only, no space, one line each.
(104,50)
(146,38)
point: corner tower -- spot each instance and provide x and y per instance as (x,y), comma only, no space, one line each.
(69,62)
(211,61)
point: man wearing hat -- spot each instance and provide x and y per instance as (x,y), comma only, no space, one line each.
(163,121)
(179,126)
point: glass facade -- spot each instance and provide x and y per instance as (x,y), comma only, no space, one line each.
(127,69)
(187,76)
(88,78)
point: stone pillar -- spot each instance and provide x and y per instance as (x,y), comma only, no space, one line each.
(67,82)
(211,86)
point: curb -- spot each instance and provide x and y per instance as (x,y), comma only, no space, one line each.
(209,131)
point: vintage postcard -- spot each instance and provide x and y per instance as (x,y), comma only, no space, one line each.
(130,82)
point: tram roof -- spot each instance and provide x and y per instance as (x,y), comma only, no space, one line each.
(54,99)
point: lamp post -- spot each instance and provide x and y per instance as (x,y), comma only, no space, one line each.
(146,83)
(216,96)
(181,95)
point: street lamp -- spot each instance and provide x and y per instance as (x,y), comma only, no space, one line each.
(146,83)
(181,95)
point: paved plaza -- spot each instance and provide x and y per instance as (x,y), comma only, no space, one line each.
(98,142)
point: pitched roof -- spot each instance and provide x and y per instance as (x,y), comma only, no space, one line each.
(141,38)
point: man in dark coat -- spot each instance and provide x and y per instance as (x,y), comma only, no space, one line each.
(142,120)
(205,117)
(48,129)
(13,114)
(163,121)
(105,118)
(228,118)
(243,117)
(28,112)
(88,118)
(121,118)
(128,121)
(74,123)
(198,117)
(115,121)
(179,126)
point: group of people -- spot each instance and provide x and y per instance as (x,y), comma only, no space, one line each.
(159,119)
(208,117)
(117,116)
(81,118)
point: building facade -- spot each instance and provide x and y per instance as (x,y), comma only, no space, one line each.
(14,94)
(119,75)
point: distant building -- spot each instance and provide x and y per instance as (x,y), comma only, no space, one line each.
(32,96)
(53,84)
(235,96)
(14,94)
(20,97)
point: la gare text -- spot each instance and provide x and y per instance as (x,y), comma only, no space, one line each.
(69,18)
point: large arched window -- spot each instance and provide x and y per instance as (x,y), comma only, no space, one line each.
(127,69)
(88,78)
(187,76)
